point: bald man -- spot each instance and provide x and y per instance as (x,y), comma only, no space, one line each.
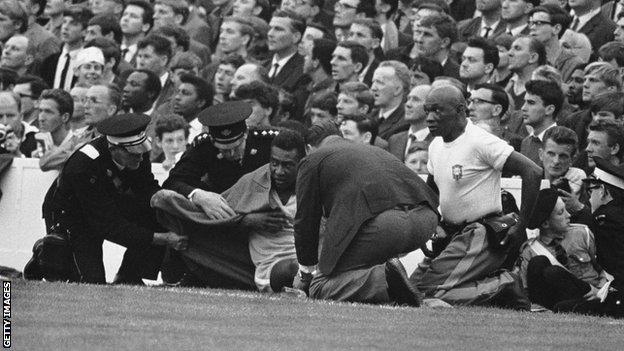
(465,165)
(400,143)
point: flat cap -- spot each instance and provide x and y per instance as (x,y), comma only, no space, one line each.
(546,200)
(226,121)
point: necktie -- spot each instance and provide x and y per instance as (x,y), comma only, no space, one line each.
(560,252)
(508,32)
(575,24)
(412,138)
(64,72)
(123,53)
(487,32)
(275,67)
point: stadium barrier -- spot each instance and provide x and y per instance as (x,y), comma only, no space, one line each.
(24,186)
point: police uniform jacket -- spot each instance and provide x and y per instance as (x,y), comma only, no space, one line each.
(609,231)
(91,190)
(203,167)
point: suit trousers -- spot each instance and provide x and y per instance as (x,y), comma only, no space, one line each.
(467,271)
(550,284)
(359,275)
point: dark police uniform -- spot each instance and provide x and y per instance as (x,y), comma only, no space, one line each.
(94,200)
(203,166)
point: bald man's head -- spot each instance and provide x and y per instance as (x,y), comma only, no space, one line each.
(445,107)
(447,94)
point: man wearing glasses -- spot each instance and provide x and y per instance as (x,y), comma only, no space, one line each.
(465,165)
(547,24)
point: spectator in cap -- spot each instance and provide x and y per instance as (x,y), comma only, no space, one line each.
(18,54)
(43,41)
(136,21)
(91,201)
(140,92)
(113,64)
(58,69)
(89,67)
(550,266)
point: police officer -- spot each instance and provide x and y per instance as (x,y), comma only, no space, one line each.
(217,159)
(103,193)
(606,197)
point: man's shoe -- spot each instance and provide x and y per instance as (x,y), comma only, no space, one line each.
(190,280)
(400,289)
(122,279)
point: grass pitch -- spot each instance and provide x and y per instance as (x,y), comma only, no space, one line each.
(56,316)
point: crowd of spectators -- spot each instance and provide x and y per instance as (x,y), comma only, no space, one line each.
(542,80)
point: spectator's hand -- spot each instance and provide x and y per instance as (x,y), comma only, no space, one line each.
(571,201)
(592,294)
(302,282)
(213,204)
(172,240)
(273,221)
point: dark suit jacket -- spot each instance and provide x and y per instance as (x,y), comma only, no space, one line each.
(368,77)
(333,181)
(166,93)
(398,143)
(289,76)
(48,69)
(451,67)
(395,123)
(472,27)
(599,30)
(530,148)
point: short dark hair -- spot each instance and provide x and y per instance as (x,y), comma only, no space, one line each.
(148,10)
(204,90)
(557,16)
(161,45)
(319,131)
(37,84)
(62,98)
(548,91)
(562,135)
(394,5)
(431,68)
(360,92)
(499,95)
(490,51)
(235,60)
(612,50)
(365,124)
(179,35)
(178,7)
(290,139)
(110,49)
(170,123)
(611,101)
(266,95)
(108,24)
(444,24)
(152,83)
(614,132)
(358,52)
(79,14)
(537,47)
(115,95)
(374,27)
(325,101)
(297,23)
(322,50)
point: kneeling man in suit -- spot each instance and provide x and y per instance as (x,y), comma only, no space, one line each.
(374,208)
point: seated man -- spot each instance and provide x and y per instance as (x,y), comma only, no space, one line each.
(559,267)
(262,231)
(102,194)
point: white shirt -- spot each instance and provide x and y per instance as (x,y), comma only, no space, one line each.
(61,64)
(362,74)
(420,135)
(467,172)
(163,79)
(195,130)
(540,136)
(132,50)
(582,20)
(492,28)
(280,64)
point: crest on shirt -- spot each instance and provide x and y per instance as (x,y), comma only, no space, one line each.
(457,172)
